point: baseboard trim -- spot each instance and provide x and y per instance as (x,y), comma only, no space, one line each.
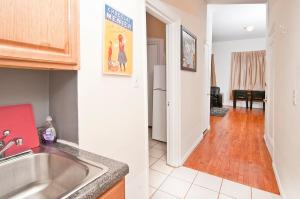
(241,104)
(269,144)
(208,128)
(282,193)
(188,153)
(68,143)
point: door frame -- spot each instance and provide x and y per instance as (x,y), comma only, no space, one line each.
(270,100)
(173,80)
(207,64)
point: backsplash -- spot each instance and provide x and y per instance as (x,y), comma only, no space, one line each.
(50,93)
(26,86)
(63,106)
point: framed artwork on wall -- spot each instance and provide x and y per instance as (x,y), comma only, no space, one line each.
(188,50)
(118,48)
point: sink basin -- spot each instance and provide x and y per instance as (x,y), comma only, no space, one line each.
(46,174)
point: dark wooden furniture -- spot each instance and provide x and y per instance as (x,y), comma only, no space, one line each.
(241,95)
(248,96)
(216,98)
(257,96)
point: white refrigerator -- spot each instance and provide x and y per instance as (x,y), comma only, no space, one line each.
(159,120)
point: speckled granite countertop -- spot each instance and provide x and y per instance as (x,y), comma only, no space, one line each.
(116,171)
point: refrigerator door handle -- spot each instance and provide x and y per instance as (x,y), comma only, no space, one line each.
(159,89)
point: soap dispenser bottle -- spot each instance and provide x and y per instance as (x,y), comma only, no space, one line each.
(49,133)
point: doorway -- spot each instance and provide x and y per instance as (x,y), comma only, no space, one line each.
(173,78)
(234,147)
(157,89)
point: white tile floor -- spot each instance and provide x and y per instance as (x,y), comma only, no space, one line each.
(167,182)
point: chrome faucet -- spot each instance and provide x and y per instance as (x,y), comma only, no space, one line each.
(15,141)
(4,135)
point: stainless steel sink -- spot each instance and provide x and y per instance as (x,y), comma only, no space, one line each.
(46,174)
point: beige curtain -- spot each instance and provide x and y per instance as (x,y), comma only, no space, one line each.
(213,81)
(248,70)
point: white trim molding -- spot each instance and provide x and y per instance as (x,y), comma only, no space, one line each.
(173,22)
(192,148)
(174,94)
(270,145)
(282,193)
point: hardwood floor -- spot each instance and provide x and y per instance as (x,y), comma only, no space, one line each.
(234,149)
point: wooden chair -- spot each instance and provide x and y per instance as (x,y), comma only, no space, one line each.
(242,95)
(257,96)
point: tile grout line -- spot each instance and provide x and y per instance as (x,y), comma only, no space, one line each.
(209,189)
(160,171)
(167,175)
(152,147)
(153,192)
(220,189)
(154,162)
(191,185)
(149,148)
(158,159)
(202,185)
(158,189)
(169,194)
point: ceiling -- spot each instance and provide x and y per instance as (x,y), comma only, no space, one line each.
(229,21)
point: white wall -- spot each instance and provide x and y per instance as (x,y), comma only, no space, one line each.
(192,14)
(26,86)
(283,20)
(222,51)
(112,112)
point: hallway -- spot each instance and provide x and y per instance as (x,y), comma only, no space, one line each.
(234,149)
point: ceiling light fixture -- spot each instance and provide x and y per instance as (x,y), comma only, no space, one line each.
(249,28)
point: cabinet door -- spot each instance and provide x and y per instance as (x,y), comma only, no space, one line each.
(39,33)
(116,192)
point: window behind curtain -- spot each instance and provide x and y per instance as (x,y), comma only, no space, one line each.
(248,70)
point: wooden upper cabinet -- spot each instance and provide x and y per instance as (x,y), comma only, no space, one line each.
(39,34)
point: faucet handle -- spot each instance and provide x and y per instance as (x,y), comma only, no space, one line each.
(6,133)
(19,141)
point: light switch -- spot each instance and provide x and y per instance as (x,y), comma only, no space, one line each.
(135,82)
(283,29)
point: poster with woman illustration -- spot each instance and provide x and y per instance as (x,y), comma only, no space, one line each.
(117,43)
